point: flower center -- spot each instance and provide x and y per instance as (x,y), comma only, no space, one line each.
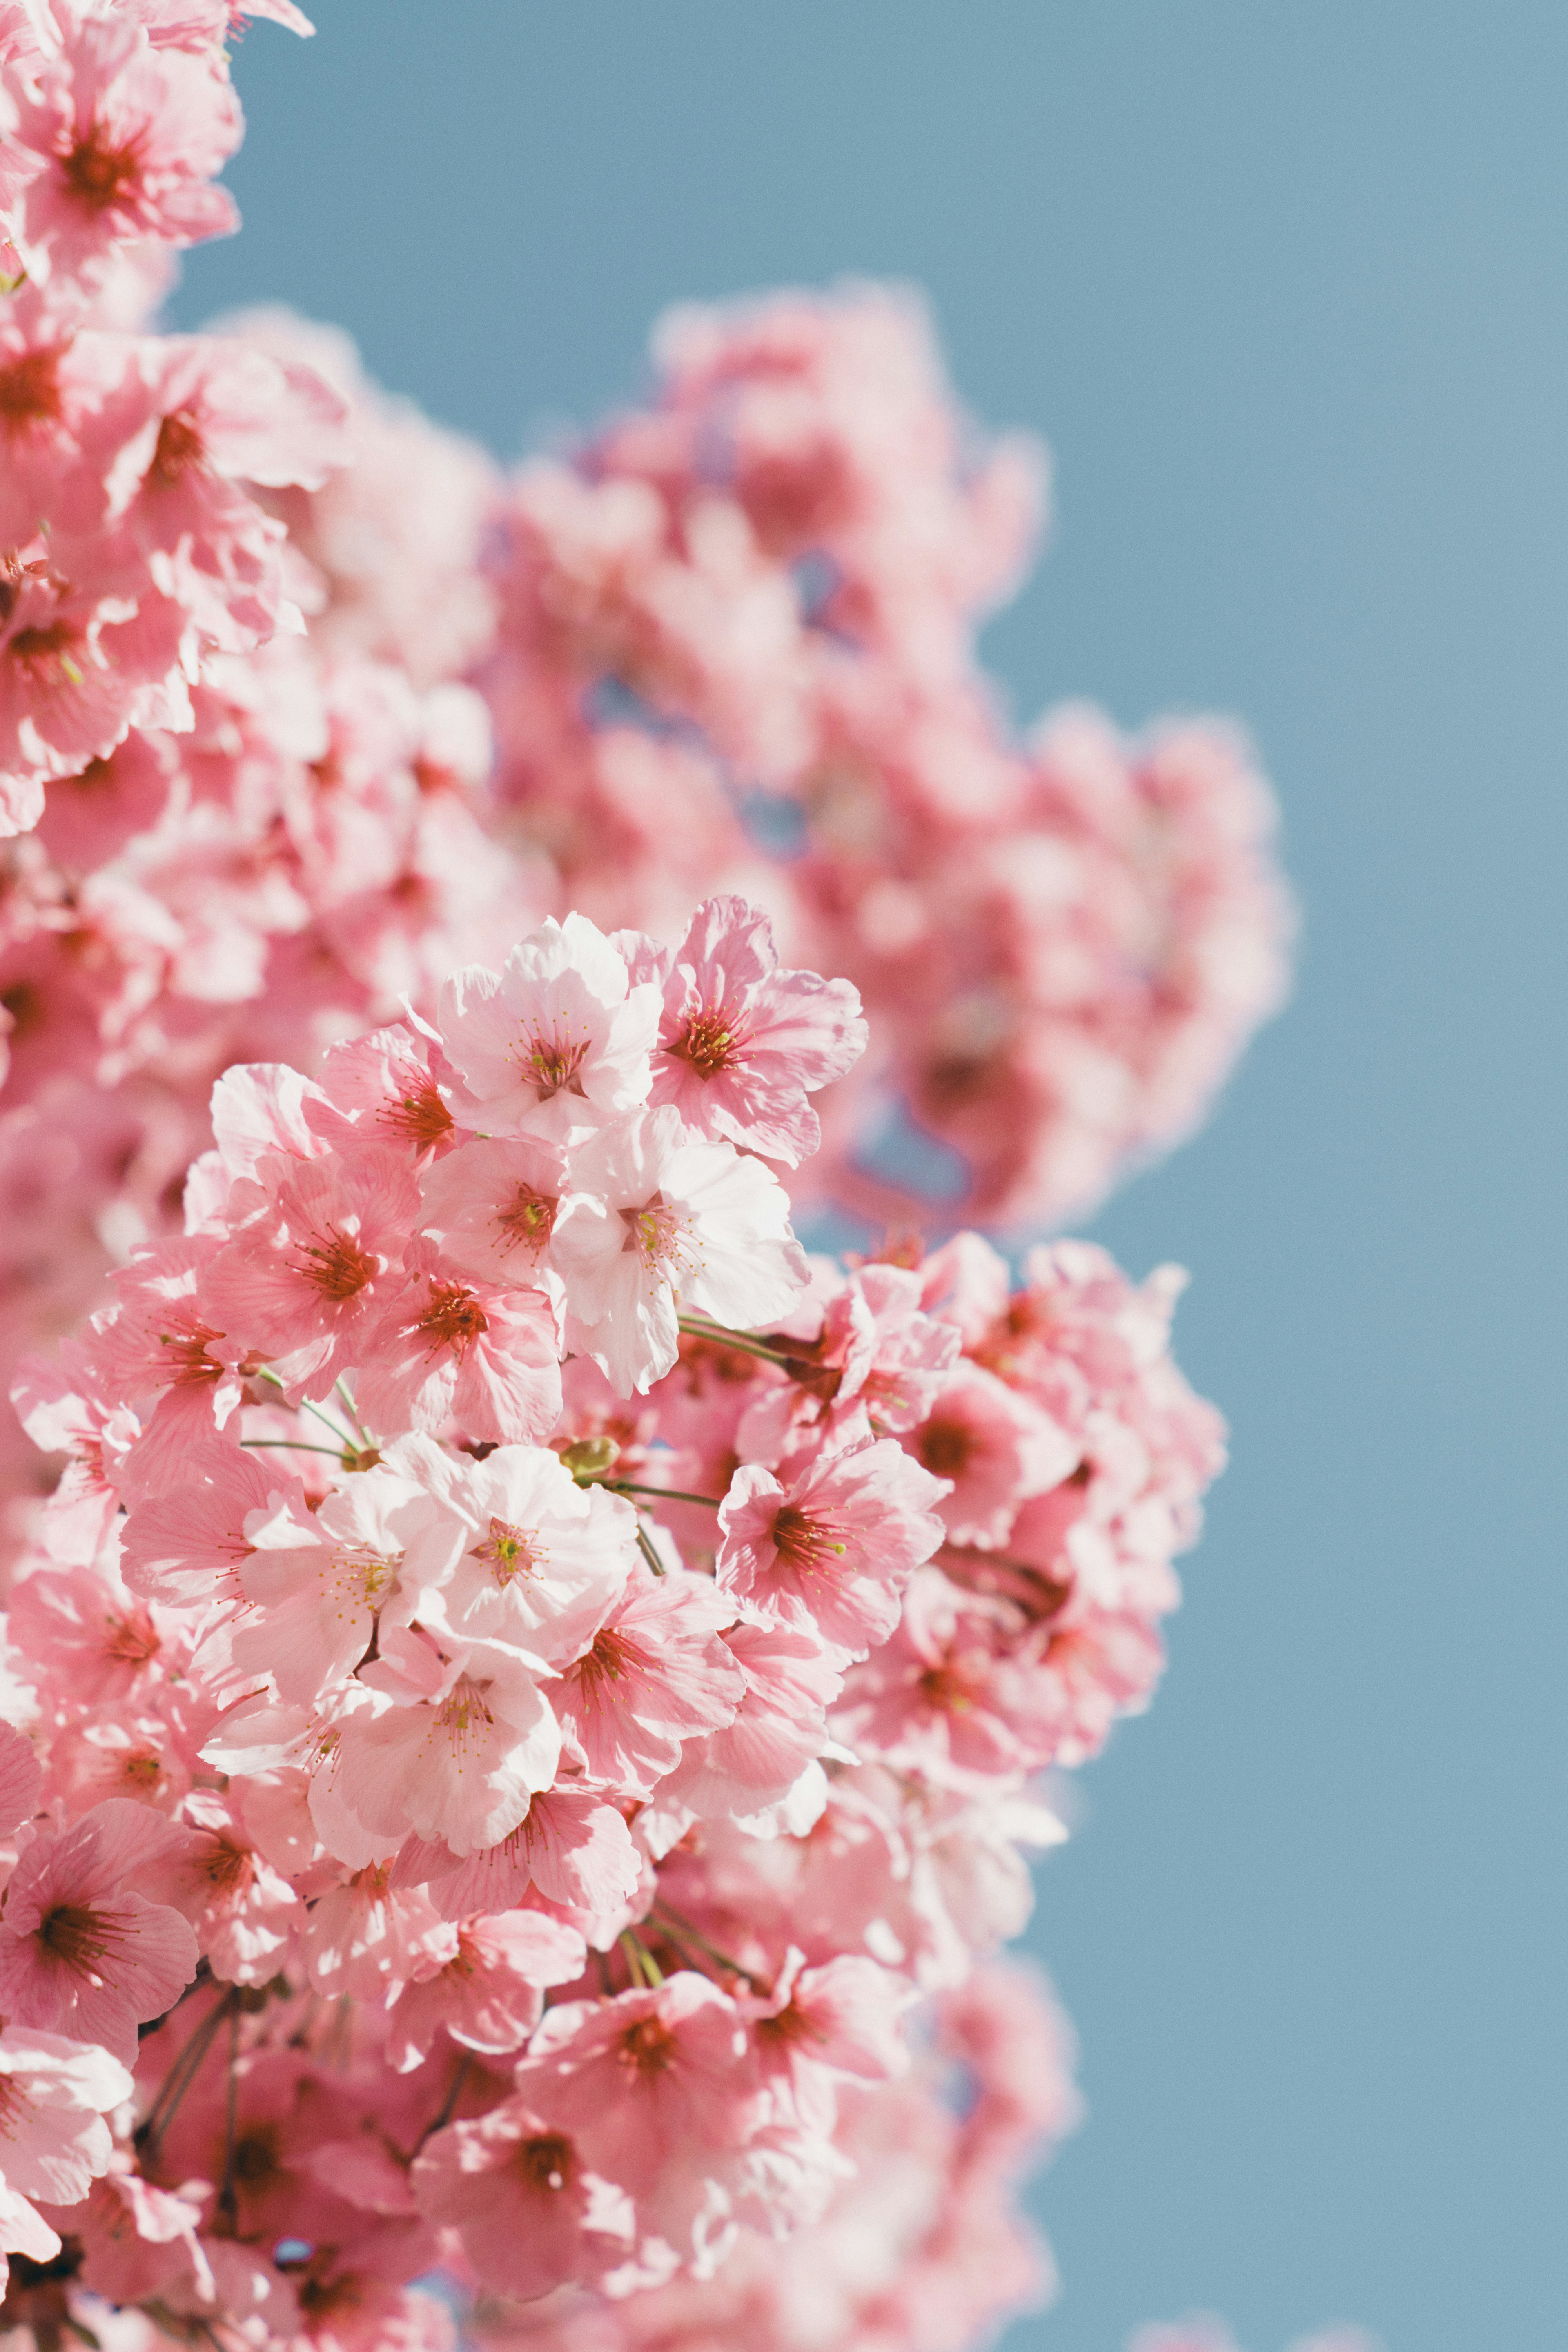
(30,391)
(545,2161)
(508,1552)
(47,655)
(945,1447)
(453,1318)
(337,1265)
(528,1219)
(553,1063)
(655,1232)
(804,1543)
(188,1359)
(464,1710)
(418,1114)
(131,1640)
(79,1937)
(711,1041)
(179,448)
(648,2047)
(99,175)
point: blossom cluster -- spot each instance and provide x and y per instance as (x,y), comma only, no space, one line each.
(736,648)
(528,1675)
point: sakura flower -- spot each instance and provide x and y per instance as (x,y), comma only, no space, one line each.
(81,1622)
(53,2095)
(653,1675)
(123,140)
(556,1042)
(648,2087)
(390,1082)
(483,1985)
(316,1259)
(155,1344)
(457,1756)
(363,1940)
(656,1226)
(841,2018)
(530,2212)
(79,1946)
(742,1044)
(511,1549)
(317,1582)
(492,1206)
(779,1730)
(834,1549)
(571,1846)
(187,1545)
(995,1449)
(449,1347)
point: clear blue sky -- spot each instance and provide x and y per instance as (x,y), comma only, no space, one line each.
(1287,289)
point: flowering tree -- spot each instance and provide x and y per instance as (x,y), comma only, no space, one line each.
(526,1691)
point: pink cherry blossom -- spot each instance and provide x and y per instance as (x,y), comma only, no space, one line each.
(449,1347)
(484,1985)
(742,1044)
(654,1674)
(555,1043)
(79,1950)
(834,1549)
(658,1225)
(530,2212)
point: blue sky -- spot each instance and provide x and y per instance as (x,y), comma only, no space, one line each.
(1286,289)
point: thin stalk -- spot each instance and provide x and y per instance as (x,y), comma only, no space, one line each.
(702,1329)
(227,2195)
(449,2103)
(663,1913)
(645,1545)
(296,1445)
(349,1407)
(181,2075)
(665,1493)
(640,1961)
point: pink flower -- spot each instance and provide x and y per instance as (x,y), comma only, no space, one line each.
(742,1044)
(492,1206)
(656,1226)
(53,2095)
(82,1625)
(557,1042)
(529,2211)
(121,140)
(484,1986)
(995,1448)
(571,1846)
(654,1674)
(457,1761)
(318,1252)
(81,1947)
(155,1346)
(844,2018)
(390,1083)
(317,1582)
(187,1545)
(450,1349)
(780,1729)
(834,1549)
(512,1549)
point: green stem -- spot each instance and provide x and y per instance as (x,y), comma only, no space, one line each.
(645,1546)
(665,1493)
(702,1329)
(297,1445)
